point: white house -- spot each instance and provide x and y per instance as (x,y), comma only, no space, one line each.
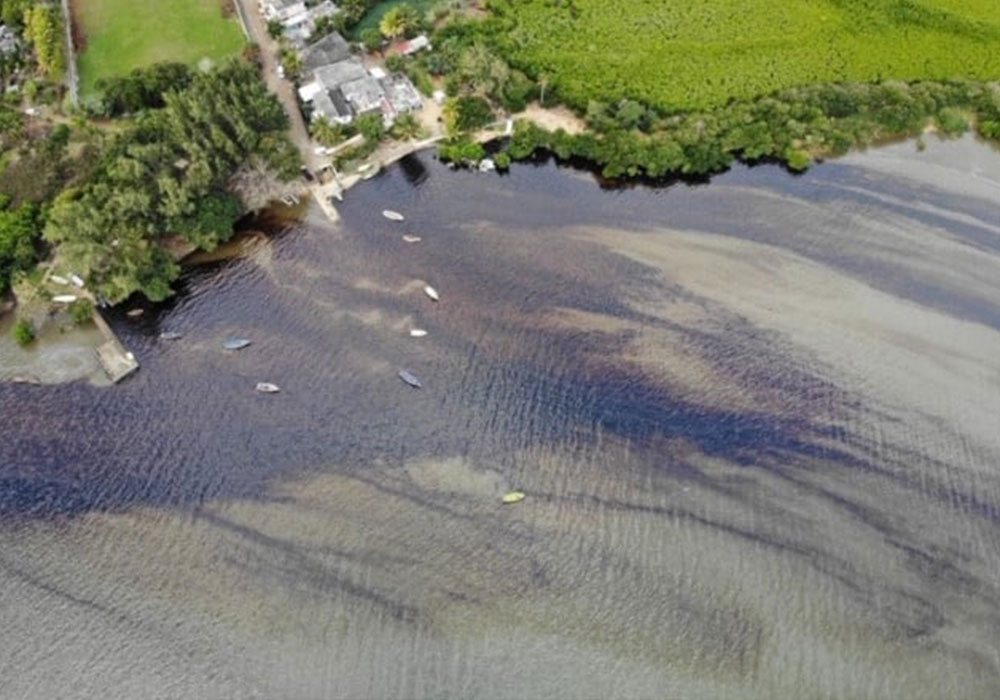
(281,10)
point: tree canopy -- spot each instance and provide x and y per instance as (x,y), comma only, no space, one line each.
(168,173)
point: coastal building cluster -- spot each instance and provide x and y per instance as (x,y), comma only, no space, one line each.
(298,19)
(338,87)
(334,83)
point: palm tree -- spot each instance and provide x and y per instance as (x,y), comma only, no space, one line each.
(407,127)
(326,132)
(393,23)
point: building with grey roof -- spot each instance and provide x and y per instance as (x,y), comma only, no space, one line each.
(329,50)
(336,74)
(8,41)
(365,95)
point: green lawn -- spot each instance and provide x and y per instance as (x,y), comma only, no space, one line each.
(374,15)
(124,34)
(698,54)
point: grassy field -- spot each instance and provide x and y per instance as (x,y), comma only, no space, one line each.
(695,55)
(123,34)
(374,16)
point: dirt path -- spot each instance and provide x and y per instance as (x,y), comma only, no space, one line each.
(256,30)
(72,78)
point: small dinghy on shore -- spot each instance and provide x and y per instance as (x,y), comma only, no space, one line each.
(431,292)
(409,238)
(411,379)
(64,298)
(267,388)
(417,332)
(236,343)
(76,280)
(392,215)
(170,335)
(59,280)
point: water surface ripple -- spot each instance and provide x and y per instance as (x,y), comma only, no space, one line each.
(756,421)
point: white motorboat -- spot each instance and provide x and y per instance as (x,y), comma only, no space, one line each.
(236,343)
(267,388)
(431,292)
(410,378)
(392,215)
(417,332)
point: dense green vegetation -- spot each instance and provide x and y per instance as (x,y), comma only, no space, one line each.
(120,35)
(792,126)
(170,172)
(19,231)
(45,29)
(678,56)
(142,88)
(635,129)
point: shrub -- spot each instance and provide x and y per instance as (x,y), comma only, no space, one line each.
(467,113)
(81,311)
(461,151)
(371,127)
(24,334)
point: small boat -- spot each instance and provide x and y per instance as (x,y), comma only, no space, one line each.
(170,335)
(59,280)
(267,388)
(64,298)
(431,292)
(392,215)
(487,165)
(76,280)
(236,343)
(512,497)
(134,312)
(410,238)
(410,379)
(417,332)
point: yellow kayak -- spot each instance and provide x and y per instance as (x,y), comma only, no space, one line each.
(513,497)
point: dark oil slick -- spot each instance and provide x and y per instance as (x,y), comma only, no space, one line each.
(757,422)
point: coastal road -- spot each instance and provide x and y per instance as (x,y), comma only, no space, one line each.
(256,30)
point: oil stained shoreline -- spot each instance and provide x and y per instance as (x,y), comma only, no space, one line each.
(755,419)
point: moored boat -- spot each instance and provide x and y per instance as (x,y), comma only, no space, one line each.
(236,343)
(410,238)
(512,497)
(267,388)
(392,215)
(134,312)
(431,292)
(410,378)
(417,332)
(170,335)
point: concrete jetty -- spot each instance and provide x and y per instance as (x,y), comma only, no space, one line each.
(116,361)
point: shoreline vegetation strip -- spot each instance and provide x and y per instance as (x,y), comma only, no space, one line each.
(188,152)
